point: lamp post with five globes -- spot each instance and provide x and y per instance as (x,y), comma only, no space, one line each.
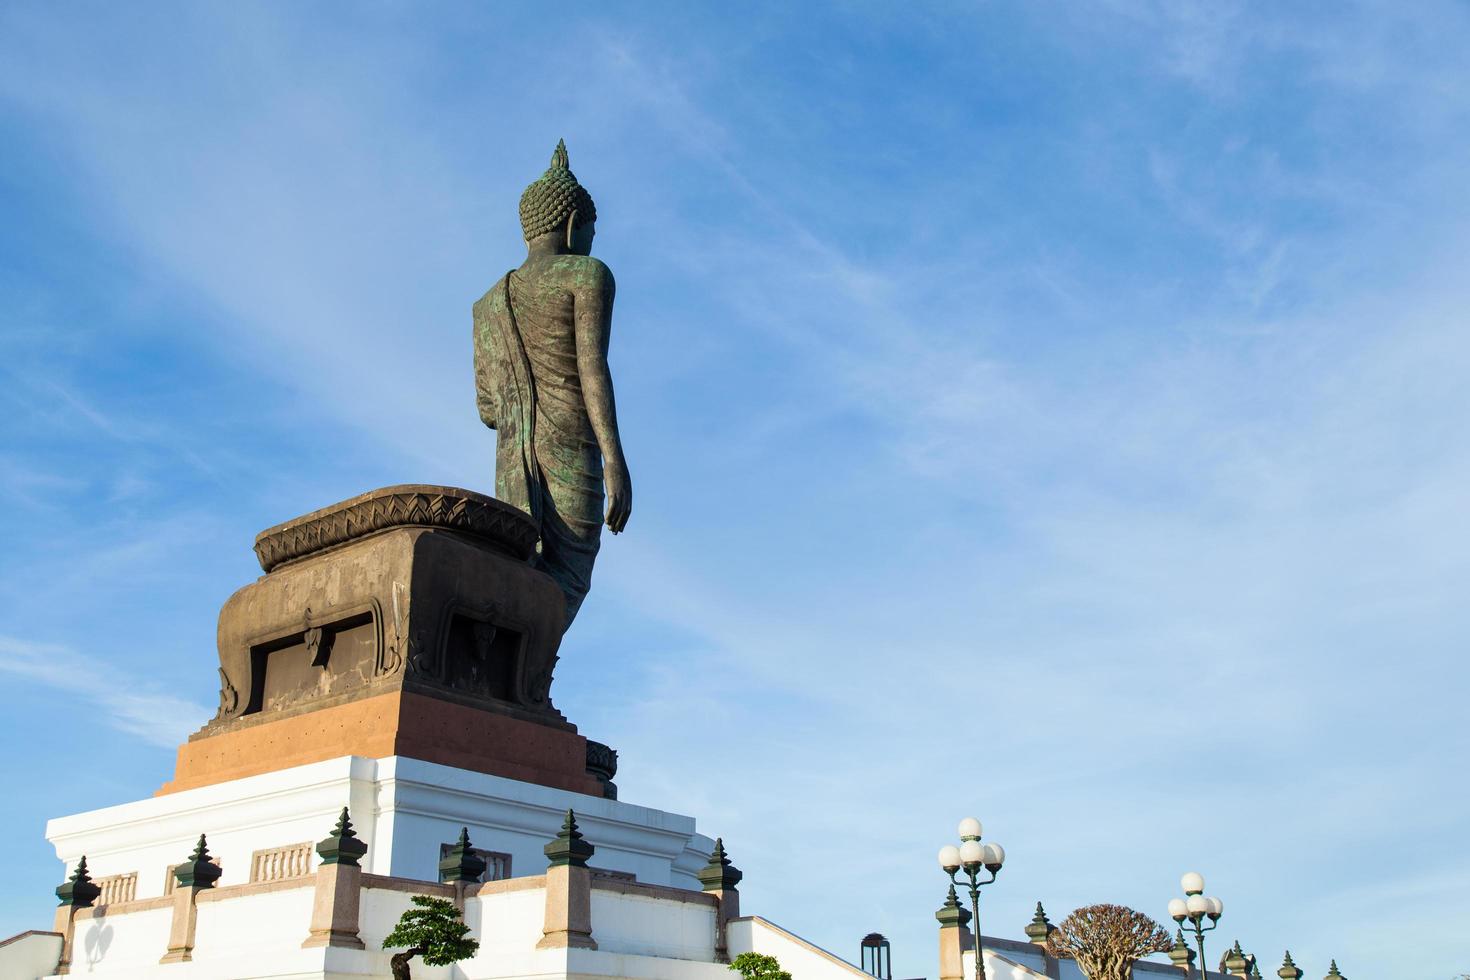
(971,856)
(1196,907)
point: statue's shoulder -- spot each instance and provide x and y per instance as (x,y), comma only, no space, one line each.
(583,273)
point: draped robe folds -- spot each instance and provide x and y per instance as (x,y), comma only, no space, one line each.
(547,460)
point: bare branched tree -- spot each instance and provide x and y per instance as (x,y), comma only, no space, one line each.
(1106,940)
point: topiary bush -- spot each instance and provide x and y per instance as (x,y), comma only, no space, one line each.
(758,966)
(432,929)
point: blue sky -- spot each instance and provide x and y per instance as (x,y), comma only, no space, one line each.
(1052,413)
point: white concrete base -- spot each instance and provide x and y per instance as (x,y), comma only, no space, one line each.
(660,928)
(402,808)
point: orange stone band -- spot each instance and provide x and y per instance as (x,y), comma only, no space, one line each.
(397,723)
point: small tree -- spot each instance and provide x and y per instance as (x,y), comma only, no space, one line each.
(1106,940)
(758,966)
(433,930)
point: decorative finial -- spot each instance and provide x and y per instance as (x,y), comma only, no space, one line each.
(200,871)
(79,890)
(1289,970)
(1180,954)
(1332,973)
(569,848)
(1039,927)
(1255,971)
(719,874)
(952,913)
(559,159)
(1235,960)
(461,863)
(342,845)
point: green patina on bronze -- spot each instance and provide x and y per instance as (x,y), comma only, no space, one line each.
(542,382)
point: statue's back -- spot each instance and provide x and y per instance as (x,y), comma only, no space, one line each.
(541,336)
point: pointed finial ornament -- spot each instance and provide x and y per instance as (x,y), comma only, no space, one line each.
(1235,960)
(1332,973)
(1255,971)
(719,874)
(342,845)
(569,848)
(559,159)
(1289,970)
(200,871)
(1180,954)
(952,913)
(461,863)
(1040,926)
(79,890)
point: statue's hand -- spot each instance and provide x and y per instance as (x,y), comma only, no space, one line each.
(619,494)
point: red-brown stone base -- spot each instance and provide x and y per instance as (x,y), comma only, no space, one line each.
(398,723)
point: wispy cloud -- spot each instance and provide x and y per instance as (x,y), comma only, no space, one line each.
(126,703)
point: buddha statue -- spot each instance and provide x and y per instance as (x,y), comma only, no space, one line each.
(542,383)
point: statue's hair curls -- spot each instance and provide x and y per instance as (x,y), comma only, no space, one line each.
(547,203)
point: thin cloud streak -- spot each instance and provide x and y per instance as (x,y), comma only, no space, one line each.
(122,701)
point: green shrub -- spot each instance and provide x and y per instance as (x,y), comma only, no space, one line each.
(432,929)
(758,966)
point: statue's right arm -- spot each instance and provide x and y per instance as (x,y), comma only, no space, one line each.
(593,301)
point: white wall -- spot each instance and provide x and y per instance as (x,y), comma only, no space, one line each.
(1016,966)
(507,923)
(803,960)
(422,805)
(240,924)
(239,817)
(117,942)
(649,926)
(26,957)
(379,912)
(1010,964)
(402,808)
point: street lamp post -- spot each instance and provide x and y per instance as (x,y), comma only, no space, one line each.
(971,856)
(1196,907)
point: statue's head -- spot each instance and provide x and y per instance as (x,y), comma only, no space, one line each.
(555,204)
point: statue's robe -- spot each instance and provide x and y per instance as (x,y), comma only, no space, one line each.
(547,460)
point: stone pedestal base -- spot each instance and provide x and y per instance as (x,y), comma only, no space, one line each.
(410,621)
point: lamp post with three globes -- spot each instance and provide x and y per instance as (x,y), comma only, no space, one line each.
(1196,907)
(972,855)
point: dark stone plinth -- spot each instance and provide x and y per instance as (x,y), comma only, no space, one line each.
(414,588)
(490,521)
(406,621)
